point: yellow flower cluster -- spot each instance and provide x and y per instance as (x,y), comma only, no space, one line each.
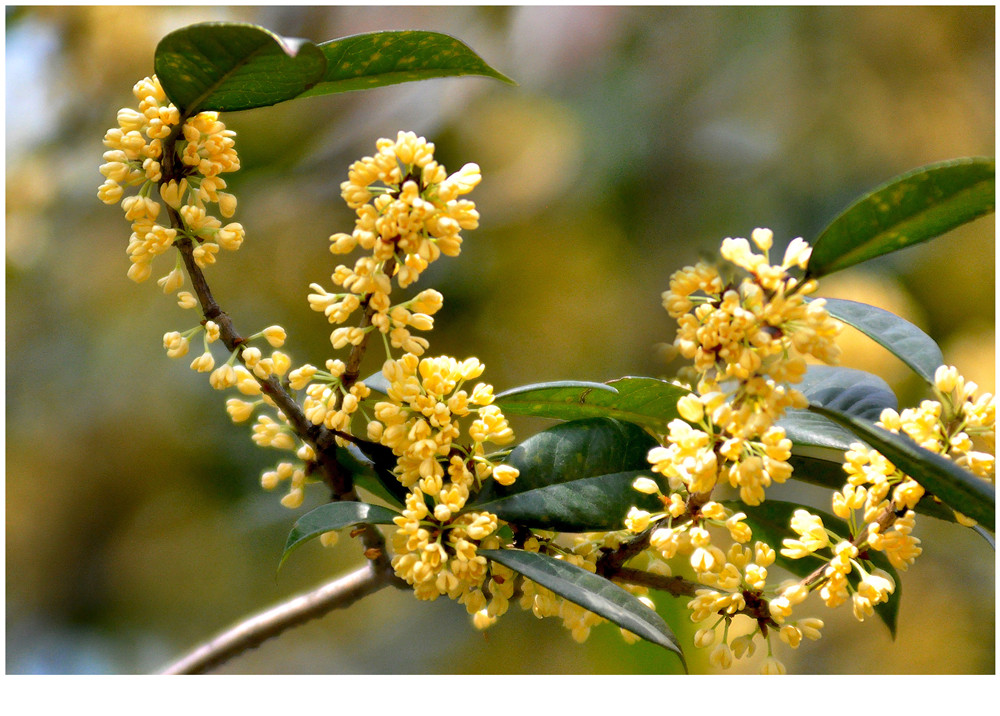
(755,335)
(948,426)
(746,340)
(135,158)
(327,403)
(436,543)
(762,329)
(420,423)
(439,557)
(408,214)
(740,585)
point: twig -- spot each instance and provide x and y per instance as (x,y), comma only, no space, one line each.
(251,633)
(675,586)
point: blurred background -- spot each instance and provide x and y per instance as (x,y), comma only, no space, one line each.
(636,140)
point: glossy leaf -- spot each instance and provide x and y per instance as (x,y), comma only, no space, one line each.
(564,399)
(334,516)
(900,337)
(587,505)
(376,59)
(644,401)
(911,208)
(770,522)
(573,451)
(853,392)
(590,591)
(227,66)
(955,487)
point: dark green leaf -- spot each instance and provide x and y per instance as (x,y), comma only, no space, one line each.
(227,66)
(572,451)
(955,487)
(854,392)
(913,207)
(334,516)
(770,522)
(590,591)
(377,59)
(588,505)
(900,337)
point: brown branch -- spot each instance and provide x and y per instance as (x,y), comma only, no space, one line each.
(676,586)
(610,563)
(251,633)
(338,479)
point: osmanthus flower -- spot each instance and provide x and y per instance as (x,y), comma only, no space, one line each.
(761,327)
(737,599)
(948,426)
(420,422)
(408,215)
(747,341)
(695,458)
(439,556)
(135,158)
(423,421)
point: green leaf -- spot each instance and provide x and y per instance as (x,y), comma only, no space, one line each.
(900,337)
(914,207)
(955,487)
(853,392)
(334,516)
(590,591)
(564,399)
(648,402)
(376,59)
(228,66)
(573,451)
(590,504)
(770,522)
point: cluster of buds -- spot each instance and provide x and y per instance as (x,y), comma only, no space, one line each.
(204,149)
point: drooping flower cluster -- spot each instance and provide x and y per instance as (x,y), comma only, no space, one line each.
(436,542)
(135,157)
(740,589)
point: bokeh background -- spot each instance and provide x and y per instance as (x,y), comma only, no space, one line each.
(636,140)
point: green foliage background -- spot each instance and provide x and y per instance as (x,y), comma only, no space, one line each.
(637,139)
